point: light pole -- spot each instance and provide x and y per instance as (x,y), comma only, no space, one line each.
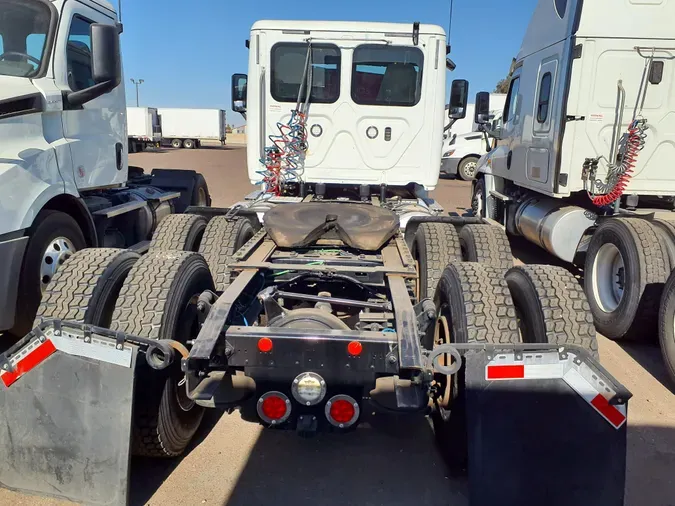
(137,83)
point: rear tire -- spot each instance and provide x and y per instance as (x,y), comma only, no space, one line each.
(179,232)
(155,303)
(467,168)
(176,143)
(222,239)
(475,301)
(626,267)
(667,325)
(200,195)
(188,144)
(434,247)
(86,288)
(486,244)
(551,307)
(666,229)
(42,260)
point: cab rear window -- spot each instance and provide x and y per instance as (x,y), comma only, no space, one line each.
(387,75)
(288,64)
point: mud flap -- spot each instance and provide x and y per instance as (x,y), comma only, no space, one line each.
(544,428)
(65,417)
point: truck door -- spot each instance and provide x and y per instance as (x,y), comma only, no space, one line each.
(540,154)
(502,158)
(95,132)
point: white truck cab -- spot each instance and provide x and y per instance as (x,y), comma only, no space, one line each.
(586,147)
(63,147)
(377,105)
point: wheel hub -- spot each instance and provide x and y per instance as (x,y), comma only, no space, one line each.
(470,169)
(57,252)
(609,277)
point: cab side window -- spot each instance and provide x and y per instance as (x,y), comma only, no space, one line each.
(511,106)
(78,55)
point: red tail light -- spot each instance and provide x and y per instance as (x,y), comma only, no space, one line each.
(274,407)
(342,411)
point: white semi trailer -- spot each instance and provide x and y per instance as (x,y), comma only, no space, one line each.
(582,164)
(144,128)
(65,182)
(187,128)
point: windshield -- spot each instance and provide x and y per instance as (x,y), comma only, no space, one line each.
(24,25)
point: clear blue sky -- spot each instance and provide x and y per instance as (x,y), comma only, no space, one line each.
(187,50)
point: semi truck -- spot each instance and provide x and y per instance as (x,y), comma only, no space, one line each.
(144,128)
(335,295)
(187,128)
(65,182)
(580,166)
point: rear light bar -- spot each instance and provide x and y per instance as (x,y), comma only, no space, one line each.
(342,411)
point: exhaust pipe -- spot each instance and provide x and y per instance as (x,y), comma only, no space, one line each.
(553,225)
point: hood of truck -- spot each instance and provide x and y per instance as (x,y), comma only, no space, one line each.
(18,96)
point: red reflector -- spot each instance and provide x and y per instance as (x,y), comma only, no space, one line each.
(30,361)
(342,411)
(265,344)
(274,407)
(613,415)
(505,372)
(355,348)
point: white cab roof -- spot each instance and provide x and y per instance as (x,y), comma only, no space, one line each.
(346,26)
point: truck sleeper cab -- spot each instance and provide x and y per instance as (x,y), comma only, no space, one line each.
(586,147)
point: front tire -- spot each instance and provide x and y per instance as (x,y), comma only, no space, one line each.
(156,301)
(54,237)
(626,267)
(467,168)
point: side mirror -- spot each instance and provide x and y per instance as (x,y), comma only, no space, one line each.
(239,88)
(459,96)
(482,112)
(106,64)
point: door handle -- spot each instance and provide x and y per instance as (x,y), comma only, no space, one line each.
(118,155)
(508,160)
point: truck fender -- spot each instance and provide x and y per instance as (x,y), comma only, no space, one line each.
(77,209)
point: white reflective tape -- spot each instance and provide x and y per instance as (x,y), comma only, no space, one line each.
(574,379)
(97,350)
(545,371)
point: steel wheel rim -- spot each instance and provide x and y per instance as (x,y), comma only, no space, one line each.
(56,253)
(470,169)
(477,202)
(608,277)
(446,338)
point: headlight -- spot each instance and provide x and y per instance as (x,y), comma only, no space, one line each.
(448,154)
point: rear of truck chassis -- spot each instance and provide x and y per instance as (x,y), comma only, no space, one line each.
(318,322)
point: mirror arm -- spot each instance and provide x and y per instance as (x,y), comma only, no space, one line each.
(449,125)
(79,98)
